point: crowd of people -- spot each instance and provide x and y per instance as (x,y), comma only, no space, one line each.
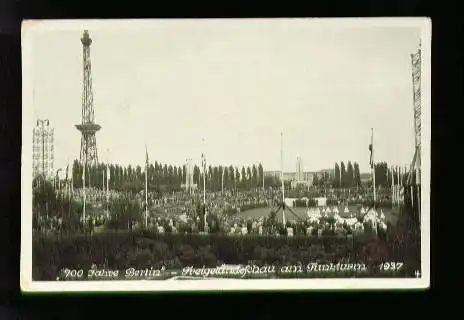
(177,212)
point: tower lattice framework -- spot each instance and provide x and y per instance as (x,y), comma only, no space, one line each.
(415,169)
(87,127)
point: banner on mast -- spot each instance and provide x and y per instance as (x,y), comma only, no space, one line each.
(371,158)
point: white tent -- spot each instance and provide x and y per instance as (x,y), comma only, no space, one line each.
(339,219)
(383,225)
(351,221)
(370,216)
(363,211)
(313,219)
(183,217)
(359,226)
(346,210)
(321,201)
(314,215)
(382,215)
(335,210)
(290,232)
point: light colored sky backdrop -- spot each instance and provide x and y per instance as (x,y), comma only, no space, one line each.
(235,83)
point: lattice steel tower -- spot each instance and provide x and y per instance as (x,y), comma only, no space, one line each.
(87,127)
(416,81)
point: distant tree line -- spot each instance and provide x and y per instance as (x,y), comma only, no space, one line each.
(350,176)
(163,177)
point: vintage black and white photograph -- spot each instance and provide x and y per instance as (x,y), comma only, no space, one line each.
(225,154)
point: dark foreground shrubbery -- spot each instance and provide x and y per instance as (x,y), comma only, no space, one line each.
(121,250)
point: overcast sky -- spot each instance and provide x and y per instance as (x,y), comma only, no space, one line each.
(237,84)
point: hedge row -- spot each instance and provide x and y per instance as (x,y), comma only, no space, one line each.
(138,249)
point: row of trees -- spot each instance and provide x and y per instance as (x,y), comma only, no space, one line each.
(347,177)
(165,177)
(350,176)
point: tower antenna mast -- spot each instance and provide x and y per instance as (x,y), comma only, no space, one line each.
(87,127)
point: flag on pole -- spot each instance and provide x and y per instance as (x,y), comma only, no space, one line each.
(203,163)
(146,157)
(371,159)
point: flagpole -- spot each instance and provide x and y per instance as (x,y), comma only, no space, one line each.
(83,187)
(68,191)
(393,185)
(282,176)
(222,186)
(340,177)
(146,188)
(204,182)
(107,191)
(373,165)
(204,174)
(68,188)
(187,175)
(72,181)
(307,182)
(373,178)
(263,174)
(398,184)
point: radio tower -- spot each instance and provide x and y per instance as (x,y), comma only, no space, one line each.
(87,127)
(414,171)
(414,175)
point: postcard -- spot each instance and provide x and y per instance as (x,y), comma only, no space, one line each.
(226,154)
